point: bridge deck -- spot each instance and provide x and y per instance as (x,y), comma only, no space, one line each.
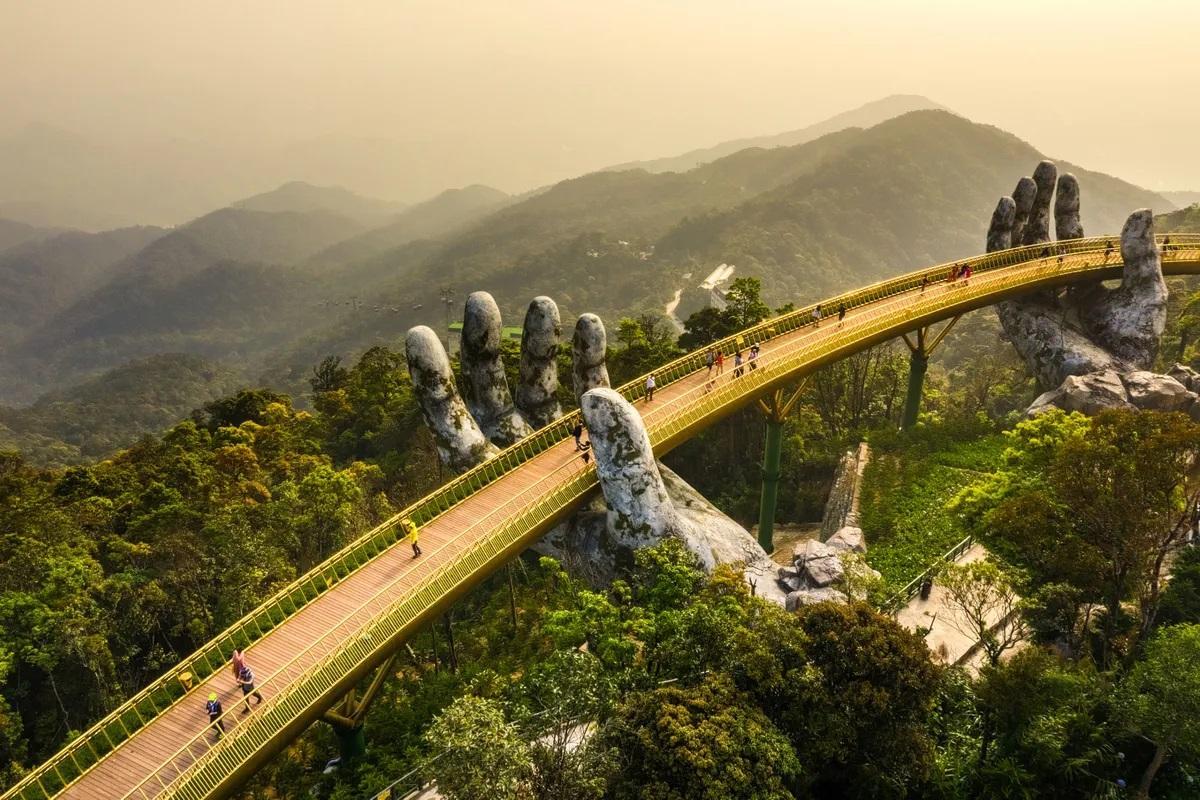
(145,765)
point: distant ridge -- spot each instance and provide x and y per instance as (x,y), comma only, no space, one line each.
(302,197)
(865,116)
(1182,199)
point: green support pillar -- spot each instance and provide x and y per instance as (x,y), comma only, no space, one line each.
(918,363)
(352,742)
(770,483)
(776,410)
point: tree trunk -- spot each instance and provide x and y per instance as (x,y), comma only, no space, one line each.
(1160,755)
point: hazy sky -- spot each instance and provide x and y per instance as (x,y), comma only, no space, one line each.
(520,92)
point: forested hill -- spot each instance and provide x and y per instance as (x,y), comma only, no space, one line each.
(1185,220)
(224,286)
(809,219)
(40,278)
(99,416)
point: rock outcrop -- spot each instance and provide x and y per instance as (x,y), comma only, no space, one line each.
(1089,346)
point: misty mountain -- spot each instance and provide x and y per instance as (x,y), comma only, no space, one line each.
(431,219)
(302,197)
(101,415)
(40,278)
(865,116)
(809,220)
(13,233)
(1182,199)
(225,285)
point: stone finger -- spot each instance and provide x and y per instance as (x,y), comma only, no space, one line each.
(1037,229)
(589,348)
(486,385)
(1066,209)
(639,508)
(537,391)
(460,443)
(999,236)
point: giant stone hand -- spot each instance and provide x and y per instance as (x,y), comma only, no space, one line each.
(642,503)
(1089,346)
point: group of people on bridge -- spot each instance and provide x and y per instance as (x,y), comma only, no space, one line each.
(244,677)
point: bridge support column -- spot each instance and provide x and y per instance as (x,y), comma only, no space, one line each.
(348,717)
(918,365)
(776,409)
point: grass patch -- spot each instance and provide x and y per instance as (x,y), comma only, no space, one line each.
(906,488)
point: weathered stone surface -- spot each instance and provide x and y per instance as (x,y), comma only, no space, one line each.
(539,369)
(1186,375)
(809,549)
(589,346)
(1156,392)
(1087,394)
(808,597)
(1037,229)
(1128,320)
(850,538)
(1066,209)
(1000,231)
(460,443)
(640,511)
(1089,328)
(485,384)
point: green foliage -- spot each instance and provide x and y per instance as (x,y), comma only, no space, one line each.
(479,753)
(1181,600)
(907,495)
(1160,698)
(706,742)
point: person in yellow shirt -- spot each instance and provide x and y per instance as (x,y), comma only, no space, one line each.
(412,534)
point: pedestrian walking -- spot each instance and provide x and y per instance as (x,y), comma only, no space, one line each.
(753,357)
(413,534)
(720,362)
(737,364)
(966,274)
(213,707)
(816,315)
(650,387)
(953,274)
(246,681)
(238,660)
(924,283)
(577,432)
(841,314)
(710,359)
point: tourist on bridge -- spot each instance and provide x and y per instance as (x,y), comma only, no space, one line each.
(710,359)
(924,283)
(577,432)
(213,706)
(737,364)
(412,534)
(753,357)
(238,660)
(816,315)
(720,362)
(649,387)
(966,274)
(841,314)
(953,274)
(246,681)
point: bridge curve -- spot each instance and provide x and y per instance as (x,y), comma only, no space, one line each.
(316,638)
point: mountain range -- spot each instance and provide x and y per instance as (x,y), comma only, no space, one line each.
(272,284)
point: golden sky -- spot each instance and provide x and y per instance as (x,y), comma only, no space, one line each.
(520,92)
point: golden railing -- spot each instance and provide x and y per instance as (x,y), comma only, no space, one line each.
(929,299)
